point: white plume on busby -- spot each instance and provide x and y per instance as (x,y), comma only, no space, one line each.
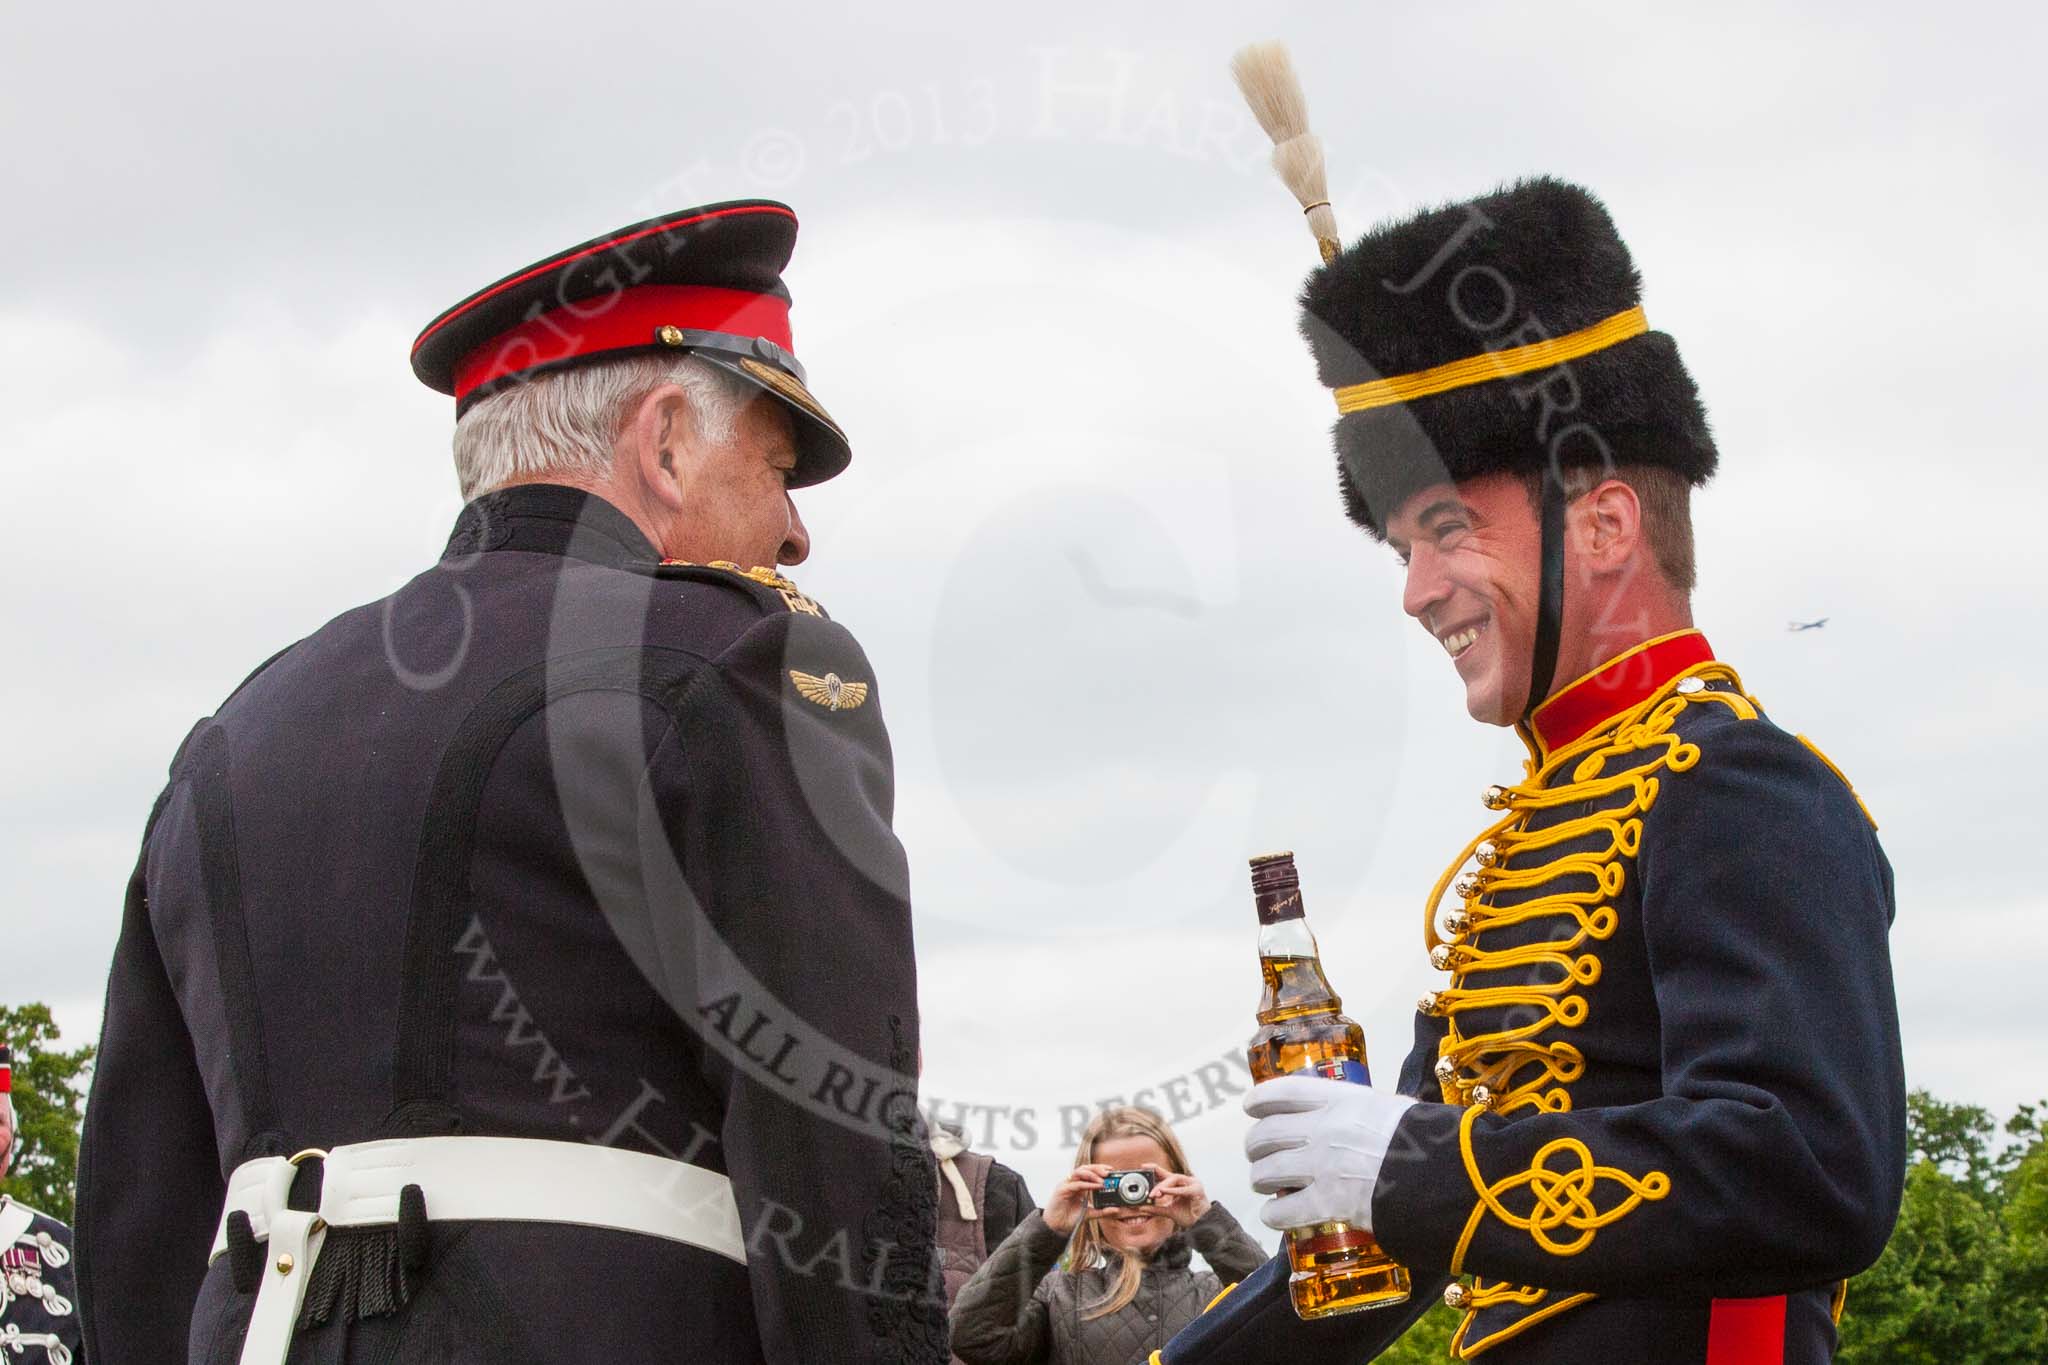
(1265,74)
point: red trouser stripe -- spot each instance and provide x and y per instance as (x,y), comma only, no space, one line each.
(1747,1332)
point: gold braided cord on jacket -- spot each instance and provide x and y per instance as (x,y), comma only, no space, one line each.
(1568,1195)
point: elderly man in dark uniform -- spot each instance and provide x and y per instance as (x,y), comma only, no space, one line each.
(519,968)
(38,1300)
(1655,1110)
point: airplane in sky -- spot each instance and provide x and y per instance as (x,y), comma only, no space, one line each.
(1807,625)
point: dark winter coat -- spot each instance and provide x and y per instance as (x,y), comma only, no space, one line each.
(1020,1309)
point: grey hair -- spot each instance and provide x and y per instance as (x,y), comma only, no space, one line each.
(567,421)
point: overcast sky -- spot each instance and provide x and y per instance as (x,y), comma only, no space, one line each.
(1090,538)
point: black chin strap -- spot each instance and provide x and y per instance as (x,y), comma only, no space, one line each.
(1550,602)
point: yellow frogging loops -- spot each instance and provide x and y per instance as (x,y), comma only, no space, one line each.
(1518,1069)
(1564,1195)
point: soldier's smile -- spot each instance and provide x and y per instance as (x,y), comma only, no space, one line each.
(1458,640)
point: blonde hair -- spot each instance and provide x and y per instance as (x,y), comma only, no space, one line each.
(1087,1249)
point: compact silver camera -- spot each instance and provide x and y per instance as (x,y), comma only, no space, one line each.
(1125,1190)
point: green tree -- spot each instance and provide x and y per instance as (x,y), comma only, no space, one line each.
(1933,1296)
(49,1101)
(2023,1275)
(1428,1342)
(1954,1137)
(1964,1280)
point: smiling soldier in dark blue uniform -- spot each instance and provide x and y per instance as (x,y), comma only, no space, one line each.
(1655,1109)
(519,968)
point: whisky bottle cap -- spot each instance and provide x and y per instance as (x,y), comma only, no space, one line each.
(1276,887)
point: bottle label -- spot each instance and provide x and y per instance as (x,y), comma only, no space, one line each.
(1278,903)
(1342,1069)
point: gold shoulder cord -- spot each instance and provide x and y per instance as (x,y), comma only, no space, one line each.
(1517,1069)
(792,596)
(1841,777)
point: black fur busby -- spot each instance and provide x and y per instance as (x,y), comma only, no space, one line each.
(1539,259)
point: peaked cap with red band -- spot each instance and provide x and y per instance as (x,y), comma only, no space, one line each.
(706,281)
(6,1069)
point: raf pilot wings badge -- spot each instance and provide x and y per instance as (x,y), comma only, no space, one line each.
(832,692)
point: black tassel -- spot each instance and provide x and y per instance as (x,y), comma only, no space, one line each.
(361,1273)
(368,1272)
(245,1253)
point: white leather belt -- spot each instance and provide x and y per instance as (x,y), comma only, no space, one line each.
(463,1179)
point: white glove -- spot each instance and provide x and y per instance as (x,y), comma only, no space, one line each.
(1323,1139)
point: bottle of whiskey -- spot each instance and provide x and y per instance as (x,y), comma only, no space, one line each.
(1337,1268)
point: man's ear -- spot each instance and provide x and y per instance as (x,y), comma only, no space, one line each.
(653,447)
(1608,526)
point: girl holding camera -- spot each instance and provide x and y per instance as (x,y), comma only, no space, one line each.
(1088,1281)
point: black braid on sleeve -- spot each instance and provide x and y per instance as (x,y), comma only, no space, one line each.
(907,1310)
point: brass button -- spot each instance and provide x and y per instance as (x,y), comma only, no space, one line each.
(1446,1069)
(1482,1097)
(1688,686)
(1457,922)
(1486,855)
(285,1264)
(1466,887)
(1440,957)
(1495,797)
(1427,1004)
(1456,1296)
(668,334)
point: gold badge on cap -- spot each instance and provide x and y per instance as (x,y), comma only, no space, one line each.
(789,386)
(832,692)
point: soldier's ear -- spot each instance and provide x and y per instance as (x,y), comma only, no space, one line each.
(1608,526)
(654,445)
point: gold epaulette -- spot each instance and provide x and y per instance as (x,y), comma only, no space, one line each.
(792,596)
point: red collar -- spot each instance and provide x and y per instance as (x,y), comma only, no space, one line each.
(1575,711)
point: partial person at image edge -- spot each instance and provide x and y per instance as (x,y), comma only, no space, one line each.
(38,1282)
(981,1201)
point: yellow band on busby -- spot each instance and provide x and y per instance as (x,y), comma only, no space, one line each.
(1458,374)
